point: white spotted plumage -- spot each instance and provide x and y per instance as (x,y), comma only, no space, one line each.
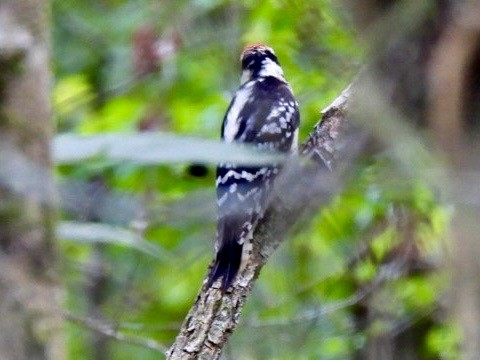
(263,113)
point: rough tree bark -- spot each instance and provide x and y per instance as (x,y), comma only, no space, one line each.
(30,296)
(214,316)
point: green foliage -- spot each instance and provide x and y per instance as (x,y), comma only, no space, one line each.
(445,341)
(139,190)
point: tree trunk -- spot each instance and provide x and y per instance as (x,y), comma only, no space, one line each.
(30,294)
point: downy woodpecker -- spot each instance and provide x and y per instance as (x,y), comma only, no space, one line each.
(263,113)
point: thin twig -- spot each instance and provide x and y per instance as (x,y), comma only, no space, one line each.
(392,271)
(109,331)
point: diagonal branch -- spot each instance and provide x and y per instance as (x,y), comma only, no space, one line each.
(299,190)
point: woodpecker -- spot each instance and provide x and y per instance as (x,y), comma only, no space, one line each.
(263,113)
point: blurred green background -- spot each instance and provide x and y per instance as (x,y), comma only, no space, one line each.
(137,239)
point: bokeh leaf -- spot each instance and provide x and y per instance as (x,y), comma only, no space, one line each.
(92,233)
(154,149)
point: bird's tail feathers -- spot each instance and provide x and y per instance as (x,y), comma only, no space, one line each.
(227,263)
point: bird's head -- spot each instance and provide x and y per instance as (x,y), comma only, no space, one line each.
(259,60)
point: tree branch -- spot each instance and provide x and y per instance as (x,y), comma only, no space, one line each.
(299,190)
(109,331)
